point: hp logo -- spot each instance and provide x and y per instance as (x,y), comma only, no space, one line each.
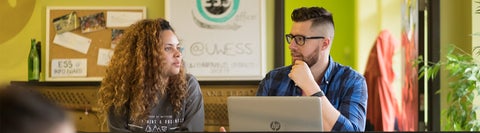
(275,125)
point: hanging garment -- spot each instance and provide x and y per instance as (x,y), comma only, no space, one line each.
(408,114)
(379,74)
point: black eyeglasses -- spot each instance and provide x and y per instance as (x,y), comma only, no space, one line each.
(300,39)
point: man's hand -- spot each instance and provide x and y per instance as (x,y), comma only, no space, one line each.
(222,129)
(303,78)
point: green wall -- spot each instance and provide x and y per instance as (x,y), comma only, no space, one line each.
(26,20)
(22,20)
(30,23)
(344,43)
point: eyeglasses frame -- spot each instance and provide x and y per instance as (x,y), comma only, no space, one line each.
(302,36)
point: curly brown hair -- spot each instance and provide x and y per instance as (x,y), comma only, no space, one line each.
(134,76)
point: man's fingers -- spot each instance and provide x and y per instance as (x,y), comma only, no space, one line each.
(299,62)
(222,129)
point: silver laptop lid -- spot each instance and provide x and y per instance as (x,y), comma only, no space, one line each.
(274,113)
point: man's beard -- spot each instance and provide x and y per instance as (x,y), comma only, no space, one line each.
(311,59)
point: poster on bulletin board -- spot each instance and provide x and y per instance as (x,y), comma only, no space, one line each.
(223,39)
(80,40)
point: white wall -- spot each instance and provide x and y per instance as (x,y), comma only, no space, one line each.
(374,16)
(476,42)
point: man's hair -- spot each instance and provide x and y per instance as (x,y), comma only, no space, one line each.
(25,110)
(318,15)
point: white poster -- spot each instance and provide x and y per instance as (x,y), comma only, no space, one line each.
(104,56)
(476,42)
(476,30)
(223,39)
(73,41)
(69,67)
(122,19)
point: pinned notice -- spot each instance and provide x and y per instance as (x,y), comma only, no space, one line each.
(122,19)
(69,67)
(104,56)
(73,41)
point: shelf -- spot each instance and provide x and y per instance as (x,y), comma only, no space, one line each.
(56,83)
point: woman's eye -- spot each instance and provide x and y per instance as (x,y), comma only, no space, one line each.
(180,49)
(168,49)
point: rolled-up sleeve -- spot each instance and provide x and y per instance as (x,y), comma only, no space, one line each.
(353,108)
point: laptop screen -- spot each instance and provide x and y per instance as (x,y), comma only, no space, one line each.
(274,113)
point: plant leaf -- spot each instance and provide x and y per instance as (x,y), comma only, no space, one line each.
(435,70)
(463,84)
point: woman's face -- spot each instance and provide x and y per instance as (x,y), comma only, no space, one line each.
(172,50)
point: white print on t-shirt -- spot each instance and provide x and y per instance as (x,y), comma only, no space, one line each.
(162,123)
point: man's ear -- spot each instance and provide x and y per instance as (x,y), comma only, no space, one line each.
(325,43)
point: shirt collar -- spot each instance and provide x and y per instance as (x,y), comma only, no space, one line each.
(328,71)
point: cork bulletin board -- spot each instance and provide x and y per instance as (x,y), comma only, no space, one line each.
(78,38)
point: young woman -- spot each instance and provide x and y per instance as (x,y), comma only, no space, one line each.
(146,88)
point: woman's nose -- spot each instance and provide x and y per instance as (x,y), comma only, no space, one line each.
(178,53)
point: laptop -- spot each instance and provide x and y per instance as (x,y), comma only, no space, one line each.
(274,113)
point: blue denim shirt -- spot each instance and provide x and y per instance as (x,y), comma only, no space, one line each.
(344,87)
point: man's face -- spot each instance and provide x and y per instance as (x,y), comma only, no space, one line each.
(309,51)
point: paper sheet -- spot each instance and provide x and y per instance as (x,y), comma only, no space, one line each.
(73,41)
(122,19)
(104,56)
(69,67)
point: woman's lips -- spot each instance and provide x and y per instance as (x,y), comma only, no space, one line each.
(177,64)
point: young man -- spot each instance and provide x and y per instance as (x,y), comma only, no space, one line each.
(314,73)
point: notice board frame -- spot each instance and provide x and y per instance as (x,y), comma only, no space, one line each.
(100,39)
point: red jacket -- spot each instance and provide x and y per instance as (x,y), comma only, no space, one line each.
(382,103)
